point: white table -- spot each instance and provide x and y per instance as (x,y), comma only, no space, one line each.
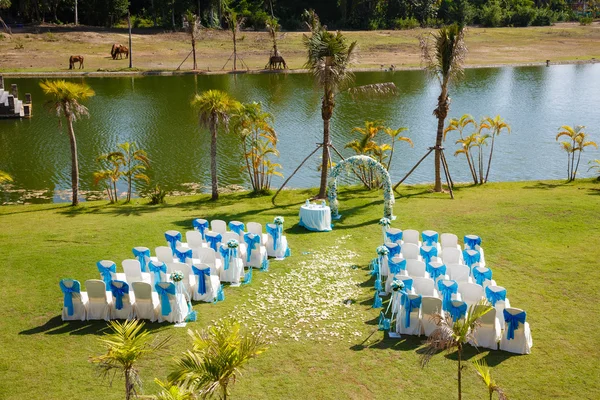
(315,217)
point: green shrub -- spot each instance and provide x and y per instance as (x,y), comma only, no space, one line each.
(406,23)
(523,16)
(544,17)
(433,23)
(492,15)
(19,44)
(586,21)
(2,37)
(50,37)
(156,195)
(141,22)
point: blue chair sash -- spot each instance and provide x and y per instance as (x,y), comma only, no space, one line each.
(408,283)
(251,241)
(68,294)
(447,291)
(200,275)
(457,312)
(106,269)
(275,231)
(435,272)
(429,240)
(163,294)
(481,274)
(394,237)
(495,296)
(472,241)
(512,321)
(118,293)
(213,241)
(409,304)
(471,257)
(183,254)
(156,267)
(428,252)
(237,227)
(143,256)
(201,225)
(396,267)
(393,248)
(227,255)
(172,238)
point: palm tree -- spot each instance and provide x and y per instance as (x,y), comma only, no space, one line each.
(136,162)
(169,391)
(480,142)
(273,27)
(443,59)
(496,125)
(394,135)
(578,142)
(486,376)
(126,345)
(218,355)
(193,28)
(235,22)
(594,165)
(450,336)
(329,58)
(214,108)
(111,174)
(65,98)
(459,125)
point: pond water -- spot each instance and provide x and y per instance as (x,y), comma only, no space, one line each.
(154,111)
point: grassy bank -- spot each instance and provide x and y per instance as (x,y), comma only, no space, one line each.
(542,240)
(47,49)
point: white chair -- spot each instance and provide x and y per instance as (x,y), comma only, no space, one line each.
(211,285)
(449,240)
(411,236)
(128,299)
(434,270)
(522,341)
(72,292)
(481,275)
(258,254)
(99,302)
(234,272)
(488,333)
(413,325)
(206,255)
(105,265)
(408,283)
(471,293)
(242,247)
(424,287)
(213,239)
(256,228)
(458,272)
(164,254)
(146,301)
(391,233)
(430,233)
(416,268)
(189,279)
(175,301)
(451,255)
(194,239)
(282,247)
(430,306)
(218,225)
(133,272)
(172,267)
(410,251)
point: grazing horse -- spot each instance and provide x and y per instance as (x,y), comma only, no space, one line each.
(119,50)
(74,59)
(276,62)
(113,50)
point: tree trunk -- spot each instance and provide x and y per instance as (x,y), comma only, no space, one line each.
(459,351)
(471,168)
(576,166)
(326,113)
(391,154)
(74,162)
(213,157)
(438,155)
(572,165)
(128,386)
(76,14)
(487,172)
(130,49)
(5,27)
(234,50)
(568,166)
(194,52)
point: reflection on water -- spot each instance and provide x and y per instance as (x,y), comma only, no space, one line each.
(155,112)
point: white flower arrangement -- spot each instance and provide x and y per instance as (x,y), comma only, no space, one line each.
(385,222)
(382,251)
(232,243)
(397,285)
(278,220)
(176,276)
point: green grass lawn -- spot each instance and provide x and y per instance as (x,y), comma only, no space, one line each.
(542,240)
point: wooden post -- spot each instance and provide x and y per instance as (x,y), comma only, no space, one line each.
(14,91)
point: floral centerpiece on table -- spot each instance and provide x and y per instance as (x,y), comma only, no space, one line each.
(233,244)
(278,220)
(176,276)
(397,285)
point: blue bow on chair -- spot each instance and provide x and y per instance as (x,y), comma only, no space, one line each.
(393,248)
(251,241)
(394,237)
(447,291)
(183,254)
(213,240)
(163,293)
(156,267)
(428,252)
(472,240)
(68,294)
(200,276)
(396,267)
(172,238)
(408,282)
(119,292)
(495,296)
(429,240)
(227,254)
(237,227)
(471,257)
(143,256)
(435,272)
(409,304)
(201,225)
(275,232)
(481,274)
(107,269)
(512,321)
(457,312)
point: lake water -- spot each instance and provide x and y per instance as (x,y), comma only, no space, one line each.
(154,111)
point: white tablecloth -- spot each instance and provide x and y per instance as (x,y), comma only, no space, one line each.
(315,217)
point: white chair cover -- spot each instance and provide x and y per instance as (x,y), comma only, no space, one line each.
(410,251)
(424,286)
(282,248)
(451,255)
(79,300)
(522,342)
(146,301)
(411,236)
(429,307)
(488,333)
(458,272)
(99,301)
(218,225)
(133,272)
(416,268)
(471,293)
(207,255)
(164,254)
(194,239)
(414,325)
(234,272)
(256,228)
(126,312)
(211,286)
(449,240)
(176,301)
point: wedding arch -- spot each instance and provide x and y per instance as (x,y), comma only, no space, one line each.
(349,165)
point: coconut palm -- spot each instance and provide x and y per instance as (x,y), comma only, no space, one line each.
(193,28)
(480,142)
(273,27)
(169,391)
(135,161)
(110,174)
(459,126)
(126,345)
(594,165)
(452,336)
(394,135)
(5,177)
(214,110)
(65,100)
(466,144)
(235,22)
(443,54)
(496,125)
(576,144)
(329,57)
(218,355)
(486,376)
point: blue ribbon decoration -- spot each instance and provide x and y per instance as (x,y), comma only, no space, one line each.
(288,252)
(220,295)
(512,321)
(143,256)
(200,275)
(429,240)
(183,255)
(201,225)
(237,227)
(163,293)
(172,239)
(435,272)
(384,323)
(457,312)
(377,303)
(495,296)
(251,241)
(156,267)
(275,232)
(106,269)
(471,257)
(373,265)
(213,241)
(248,277)
(393,248)
(409,304)
(447,292)
(68,294)
(472,241)
(264,266)
(480,276)
(118,293)
(428,253)
(227,253)
(396,267)
(408,284)
(394,237)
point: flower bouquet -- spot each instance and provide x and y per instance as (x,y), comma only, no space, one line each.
(278,220)
(176,276)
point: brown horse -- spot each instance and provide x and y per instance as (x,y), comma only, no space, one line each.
(119,50)
(74,59)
